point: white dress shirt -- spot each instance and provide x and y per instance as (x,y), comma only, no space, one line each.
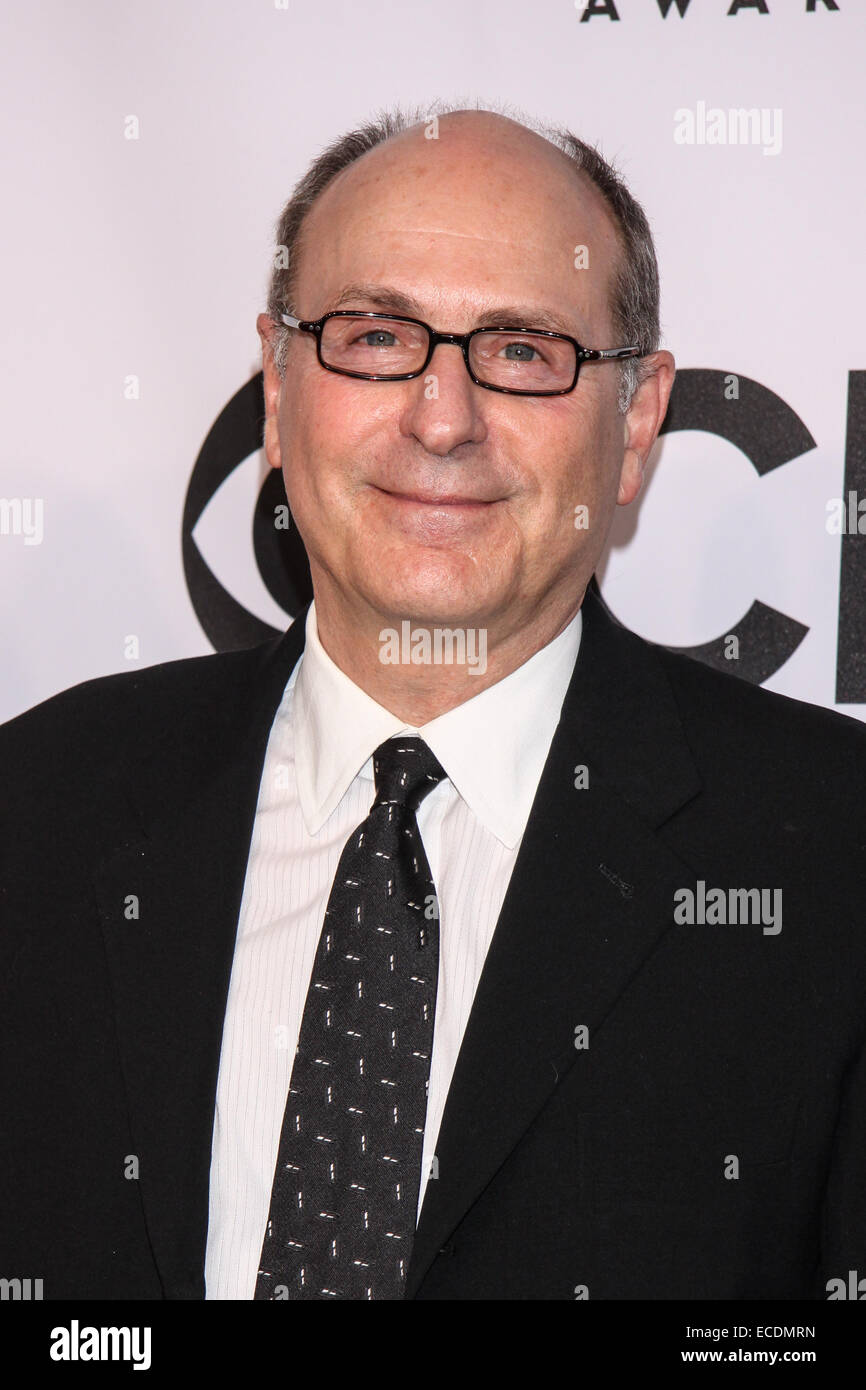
(316,788)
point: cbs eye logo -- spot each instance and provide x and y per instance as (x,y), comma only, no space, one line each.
(279,555)
(757,422)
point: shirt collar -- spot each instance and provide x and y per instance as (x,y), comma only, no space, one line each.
(493,747)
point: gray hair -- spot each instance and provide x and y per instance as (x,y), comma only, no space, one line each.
(635,290)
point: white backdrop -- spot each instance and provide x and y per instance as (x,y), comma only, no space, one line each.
(149,258)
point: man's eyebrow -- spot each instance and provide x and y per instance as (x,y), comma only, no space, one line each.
(522,316)
(389,300)
(382,296)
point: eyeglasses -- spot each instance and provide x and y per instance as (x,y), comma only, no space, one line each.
(389,347)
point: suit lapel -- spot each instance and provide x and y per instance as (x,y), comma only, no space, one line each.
(590,897)
(182,859)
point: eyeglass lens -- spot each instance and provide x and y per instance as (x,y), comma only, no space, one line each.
(388,347)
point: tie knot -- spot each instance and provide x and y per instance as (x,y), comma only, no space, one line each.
(405,770)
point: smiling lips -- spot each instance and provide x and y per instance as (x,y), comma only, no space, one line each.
(445,500)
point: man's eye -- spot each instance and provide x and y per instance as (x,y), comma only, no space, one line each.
(377,338)
(520,352)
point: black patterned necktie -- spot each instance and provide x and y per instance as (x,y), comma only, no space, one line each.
(346,1185)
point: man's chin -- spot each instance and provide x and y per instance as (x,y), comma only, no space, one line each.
(428,583)
(421,606)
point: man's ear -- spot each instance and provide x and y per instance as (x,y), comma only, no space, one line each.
(630,478)
(643,420)
(273,390)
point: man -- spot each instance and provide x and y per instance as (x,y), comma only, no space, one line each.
(458,943)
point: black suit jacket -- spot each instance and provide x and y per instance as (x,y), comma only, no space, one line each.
(710,1140)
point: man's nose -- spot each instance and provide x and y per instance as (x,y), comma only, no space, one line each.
(444,408)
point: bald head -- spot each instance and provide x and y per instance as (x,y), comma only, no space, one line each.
(495,201)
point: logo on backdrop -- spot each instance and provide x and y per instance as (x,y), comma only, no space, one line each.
(606,9)
(759,423)
(237,432)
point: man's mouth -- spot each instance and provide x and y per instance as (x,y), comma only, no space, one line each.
(442,499)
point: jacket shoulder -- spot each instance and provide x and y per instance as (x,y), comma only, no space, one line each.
(740,710)
(764,753)
(108,717)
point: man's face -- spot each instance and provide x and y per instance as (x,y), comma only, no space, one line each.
(442,502)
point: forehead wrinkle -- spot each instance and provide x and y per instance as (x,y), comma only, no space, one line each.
(471,236)
(487,313)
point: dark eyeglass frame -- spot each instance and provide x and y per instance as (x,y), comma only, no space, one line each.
(461,340)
